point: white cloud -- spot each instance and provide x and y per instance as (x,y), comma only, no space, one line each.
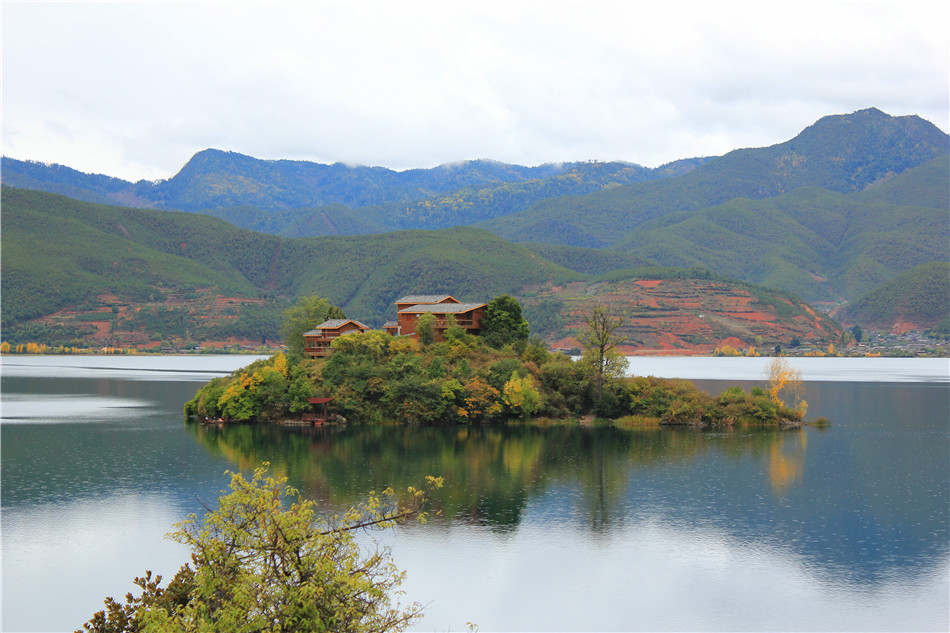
(134,89)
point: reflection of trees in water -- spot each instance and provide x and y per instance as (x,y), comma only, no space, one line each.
(490,472)
(787,460)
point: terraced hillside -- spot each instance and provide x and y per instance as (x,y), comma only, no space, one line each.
(686,315)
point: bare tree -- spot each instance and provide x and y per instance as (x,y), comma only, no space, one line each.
(600,339)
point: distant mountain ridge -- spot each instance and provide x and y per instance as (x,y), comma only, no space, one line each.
(841,153)
(587,204)
(216,179)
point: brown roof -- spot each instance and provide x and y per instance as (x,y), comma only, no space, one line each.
(334,324)
(443,308)
(418,299)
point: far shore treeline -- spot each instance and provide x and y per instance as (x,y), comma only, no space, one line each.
(502,375)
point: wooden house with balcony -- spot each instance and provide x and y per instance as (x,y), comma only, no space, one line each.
(317,341)
(411,307)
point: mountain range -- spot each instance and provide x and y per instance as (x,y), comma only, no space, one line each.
(847,205)
(75,271)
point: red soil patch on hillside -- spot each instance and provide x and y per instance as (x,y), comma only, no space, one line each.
(226,301)
(566,343)
(733,342)
(735,303)
(903,327)
(102,328)
(751,316)
(243,342)
(687,316)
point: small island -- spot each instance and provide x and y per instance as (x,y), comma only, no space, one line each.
(448,362)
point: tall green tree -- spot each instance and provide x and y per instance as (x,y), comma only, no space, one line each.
(425,328)
(504,324)
(262,565)
(600,338)
(307,314)
(857,332)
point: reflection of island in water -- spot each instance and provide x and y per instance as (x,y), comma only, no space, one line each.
(758,485)
(492,472)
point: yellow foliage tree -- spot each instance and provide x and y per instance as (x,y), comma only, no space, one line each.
(481,400)
(520,394)
(785,379)
(727,350)
(280,363)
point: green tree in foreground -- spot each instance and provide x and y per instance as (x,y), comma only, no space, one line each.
(425,328)
(504,324)
(260,567)
(307,314)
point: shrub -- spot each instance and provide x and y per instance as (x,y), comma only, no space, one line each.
(257,565)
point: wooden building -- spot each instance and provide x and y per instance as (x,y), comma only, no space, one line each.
(411,307)
(317,341)
(319,415)
(413,300)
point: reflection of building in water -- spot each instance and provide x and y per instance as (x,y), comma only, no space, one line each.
(787,460)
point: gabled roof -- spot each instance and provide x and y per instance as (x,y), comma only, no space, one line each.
(419,299)
(443,308)
(334,324)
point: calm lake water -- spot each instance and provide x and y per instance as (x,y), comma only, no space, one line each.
(541,528)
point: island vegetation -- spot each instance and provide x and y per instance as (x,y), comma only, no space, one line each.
(505,375)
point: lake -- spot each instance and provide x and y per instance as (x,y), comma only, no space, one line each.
(541,528)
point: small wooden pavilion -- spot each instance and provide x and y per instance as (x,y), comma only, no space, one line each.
(319,414)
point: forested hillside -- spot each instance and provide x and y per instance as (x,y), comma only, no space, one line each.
(842,154)
(77,271)
(821,245)
(62,254)
(918,299)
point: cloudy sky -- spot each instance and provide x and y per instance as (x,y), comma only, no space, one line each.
(134,89)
